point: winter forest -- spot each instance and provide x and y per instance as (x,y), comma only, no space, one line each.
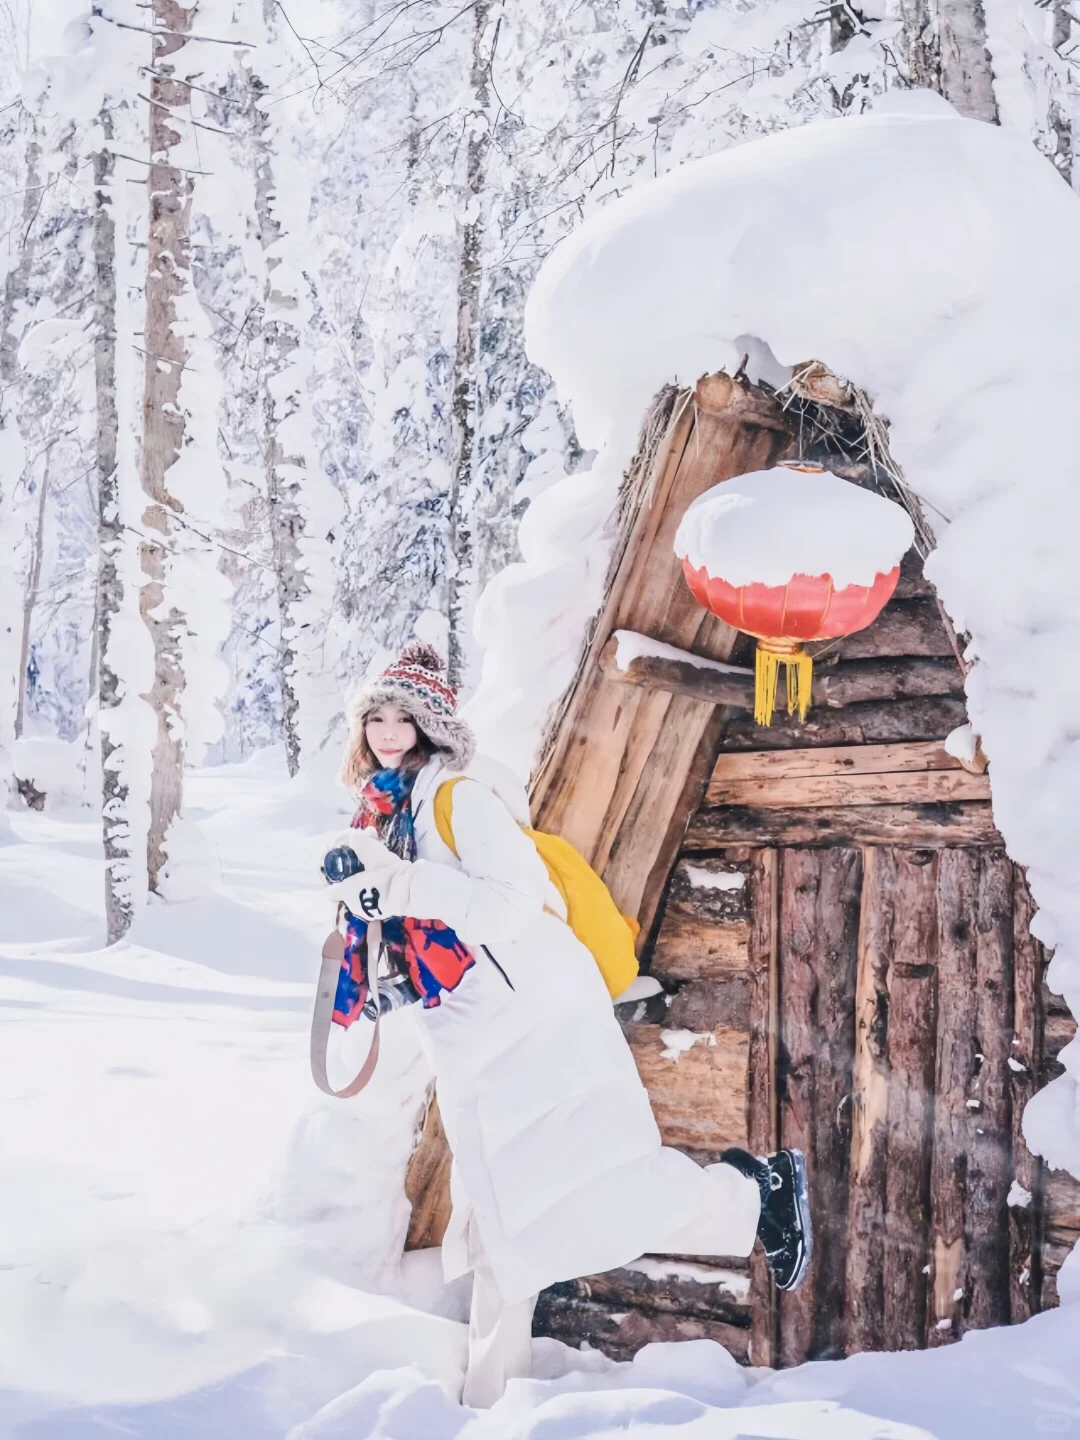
(267,414)
(266,407)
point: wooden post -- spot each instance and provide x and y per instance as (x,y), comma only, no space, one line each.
(1025,1221)
(865,1268)
(912,981)
(818,948)
(764,1117)
(990,1173)
(957,893)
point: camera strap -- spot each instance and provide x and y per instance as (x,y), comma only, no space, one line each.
(333,957)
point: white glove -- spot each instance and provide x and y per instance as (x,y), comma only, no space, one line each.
(381,890)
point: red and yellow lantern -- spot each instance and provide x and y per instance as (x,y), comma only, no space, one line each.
(784,614)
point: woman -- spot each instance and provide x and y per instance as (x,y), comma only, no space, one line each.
(558,1169)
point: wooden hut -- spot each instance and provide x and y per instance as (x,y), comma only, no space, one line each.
(842,941)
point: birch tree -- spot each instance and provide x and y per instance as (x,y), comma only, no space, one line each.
(167,277)
(281,400)
(463,399)
(117,836)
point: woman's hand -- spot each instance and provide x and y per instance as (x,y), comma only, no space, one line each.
(381,890)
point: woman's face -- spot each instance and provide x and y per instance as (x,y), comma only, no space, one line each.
(390,734)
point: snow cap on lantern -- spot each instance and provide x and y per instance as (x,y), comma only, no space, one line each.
(790,555)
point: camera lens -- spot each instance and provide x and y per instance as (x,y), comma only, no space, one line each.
(340,863)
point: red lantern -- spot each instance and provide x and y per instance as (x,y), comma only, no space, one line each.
(784,617)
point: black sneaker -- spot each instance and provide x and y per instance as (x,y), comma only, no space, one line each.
(785,1229)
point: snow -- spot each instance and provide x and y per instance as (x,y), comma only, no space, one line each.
(813,241)
(677,1042)
(630,646)
(663,1267)
(702,879)
(196,1245)
(769,526)
(961,742)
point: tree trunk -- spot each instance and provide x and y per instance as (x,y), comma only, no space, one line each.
(116,830)
(946,51)
(15,291)
(463,402)
(168,267)
(33,581)
(284,473)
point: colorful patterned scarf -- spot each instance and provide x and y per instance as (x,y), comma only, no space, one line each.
(427,951)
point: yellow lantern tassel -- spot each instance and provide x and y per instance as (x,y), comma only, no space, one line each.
(799,677)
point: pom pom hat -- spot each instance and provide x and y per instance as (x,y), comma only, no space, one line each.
(417,681)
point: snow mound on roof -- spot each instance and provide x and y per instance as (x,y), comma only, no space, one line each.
(769,526)
(928,259)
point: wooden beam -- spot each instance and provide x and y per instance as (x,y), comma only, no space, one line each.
(912,1035)
(902,788)
(818,946)
(705,928)
(864,1290)
(966,822)
(991,1168)
(878,721)
(904,627)
(699,1099)
(566,1313)
(1025,1221)
(832,760)
(835,686)
(763,1077)
(954,1120)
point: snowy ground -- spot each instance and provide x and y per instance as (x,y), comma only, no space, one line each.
(194,1243)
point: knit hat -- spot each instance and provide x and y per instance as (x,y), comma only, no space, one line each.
(417,681)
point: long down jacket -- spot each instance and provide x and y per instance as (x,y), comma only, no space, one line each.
(557,1157)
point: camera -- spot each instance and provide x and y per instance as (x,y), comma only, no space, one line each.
(340,863)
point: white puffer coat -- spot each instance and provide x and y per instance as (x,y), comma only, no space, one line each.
(556,1153)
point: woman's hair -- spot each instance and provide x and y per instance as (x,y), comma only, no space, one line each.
(361,762)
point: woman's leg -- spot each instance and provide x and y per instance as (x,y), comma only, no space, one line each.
(728,1219)
(500,1336)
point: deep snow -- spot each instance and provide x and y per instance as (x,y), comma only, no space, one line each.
(195,1245)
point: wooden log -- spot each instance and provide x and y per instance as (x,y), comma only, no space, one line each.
(818,949)
(693,792)
(693,677)
(702,1005)
(904,787)
(621,1333)
(931,718)
(839,760)
(968,822)
(856,682)
(699,1100)
(706,1289)
(704,927)
(691,948)
(1025,1221)
(834,685)
(910,1107)
(912,584)
(427,1183)
(864,1279)
(650,828)
(955,1066)
(991,1170)
(762,1061)
(904,627)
